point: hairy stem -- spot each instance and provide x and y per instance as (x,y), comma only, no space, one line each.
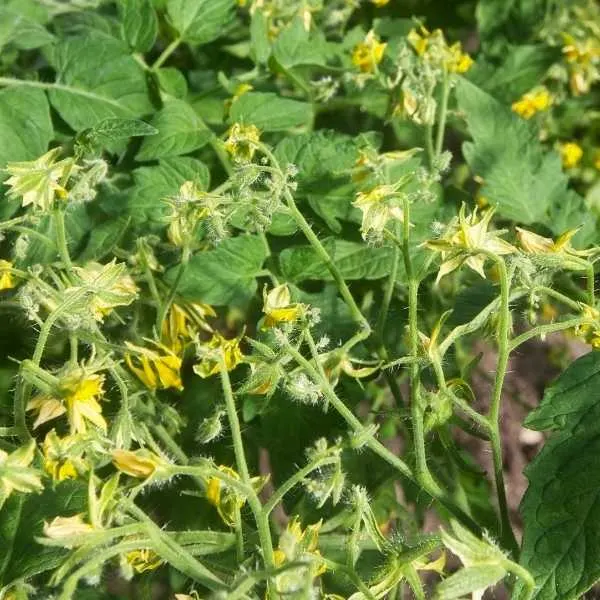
(503,332)
(260,517)
(441,130)
(166,53)
(422,470)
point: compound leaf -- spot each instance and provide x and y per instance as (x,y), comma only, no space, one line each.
(522,180)
(200,21)
(154,183)
(26,558)
(140,24)
(295,46)
(180,131)
(97,79)
(225,275)
(25,125)
(270,112)
(561,508)
(354,260)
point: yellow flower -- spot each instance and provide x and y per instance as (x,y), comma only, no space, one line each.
(37,181)
(240,90)
(581,52)
(590,331)
(419,41)
(380,3)
(433,48)
(187,212)
(533,243)
(210,363)
(597,159)
(143,560)
(368,53)
(67,529)
(158,368)
(532,102)
(61,458)
(241,141)
(7,281)
(466,240)
(225,498)
(16,474)
(111,284)
(278,307)
(570,154)
(458,61)
(337,362)
(77,395)
(139,463)
(297,545)
(183,323)
(377,206)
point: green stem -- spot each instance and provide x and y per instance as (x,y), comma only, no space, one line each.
(162,313)
(61,240)
(441,130)
(293,481)
(260,517)
(177,556)
(422,470)
(166,53)
(457,401)
(558,296)
(503,332)
(388,294)
(476,323)
(152,286)
(524,575)
(23,388)
(330,265)
(374,445)
(74,347)
(170,444)
(429,144)
(541,330)
(93,565)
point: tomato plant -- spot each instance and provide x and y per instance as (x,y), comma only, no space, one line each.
(257,258)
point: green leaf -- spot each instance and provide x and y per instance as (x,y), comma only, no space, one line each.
(97,79)
(225,275)
(561,508)
(9,525)
(29,558)
(104,238)
(180,131)
(112,130)
(521,179)
(140,24)
(270,112)
(469,580)
(319,155)
(172,82)
(324,161)
(200,21)
(153,184)
(570,211)
(77,224)
(522,69)
(260,44)
(355,261)
(296,46)
(21,31)
(25,125)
